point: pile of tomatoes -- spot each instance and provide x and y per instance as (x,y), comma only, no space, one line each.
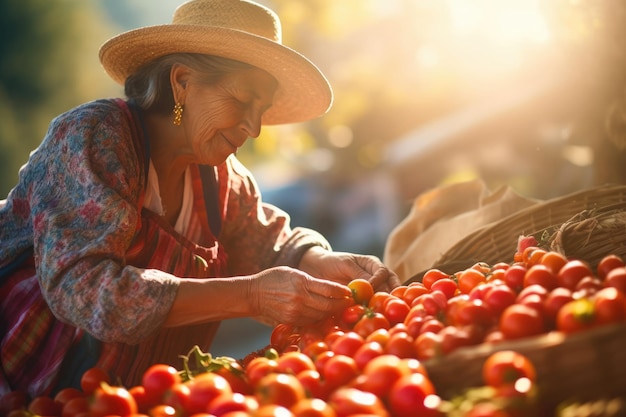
(368,360)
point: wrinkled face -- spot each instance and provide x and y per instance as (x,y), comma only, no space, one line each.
(220,117)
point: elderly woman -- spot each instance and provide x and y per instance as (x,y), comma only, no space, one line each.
(134,230)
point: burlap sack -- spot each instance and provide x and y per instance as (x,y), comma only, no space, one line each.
(441,217)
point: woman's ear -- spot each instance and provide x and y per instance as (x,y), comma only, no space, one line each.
(179,80)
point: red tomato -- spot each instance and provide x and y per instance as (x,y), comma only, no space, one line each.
(367,352)
(609,305)
(13,400)
(370,322)
(413,291)
(518,321)
(353,313)
(432,303)
(312,350)
(162,410)
(514,277)
(282,389)
(227,402)
(427,346)
(401,345)
(433,275)
(348,401)
(280,336)
(44,406)
(473,312)
(470,278)
(406,396)
(542,275)
(75,406)
(608,263)
(616,277)
(112,401)
(176,397)
(258,367)
(313,384)
(203,388)
(235,374)
(294,363)
(339,370)
(507,366)
(576,315)
(362,290)
(452,338)
(380,373)
(157,379)
(396,310)
(347,344)
(572,272)
(447,286)
(66,394)
(92,378)
(431,326)
(312,407)
(498,297)
(553,302)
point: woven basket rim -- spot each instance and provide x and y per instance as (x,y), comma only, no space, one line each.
(497,241)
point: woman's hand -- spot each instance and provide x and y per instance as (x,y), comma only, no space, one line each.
(342,267)
(290,296)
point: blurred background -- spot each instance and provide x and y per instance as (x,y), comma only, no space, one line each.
(524,93)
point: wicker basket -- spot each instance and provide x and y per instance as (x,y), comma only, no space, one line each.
(587,225)
(584,367)
(497,242)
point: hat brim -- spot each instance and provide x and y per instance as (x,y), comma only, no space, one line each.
(303,92)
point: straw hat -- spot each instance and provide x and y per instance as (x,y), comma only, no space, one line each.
(235,29)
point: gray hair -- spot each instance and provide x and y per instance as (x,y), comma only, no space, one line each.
(149,87)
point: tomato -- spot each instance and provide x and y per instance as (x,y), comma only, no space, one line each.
(554,261)
(313,384)
(518,321)
(294,363)
(157,379)
(271,410)
(177,397)
(370,322)
(406,396)
(609,305)
(413,291)
(362,290)
(367,352)
(76,406)
(432,303)
(280,336)
(92,378)
(608,263)
(235,374)
(616,278)
(447,286)
(312,407)
(542,275)
(227,402)
(452,338)
(576,315)
(258,367)
(572,272)
(339,370)
(347,344)
(378,300)
(347,401)
(109,400)
(203,388)
(399,291)
(427,346)
(44,406)
(498,297)
(396,310)
(162,410)
(66,394)
(507,366)
(312,350)
(433,275)
(553,302)
(13,400)
(353,313)
(514,277)
(535,256)
(473,312)
(400,345)
(431,326)
(281,389)
(470,278)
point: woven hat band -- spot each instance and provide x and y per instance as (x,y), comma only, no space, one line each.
(238,15)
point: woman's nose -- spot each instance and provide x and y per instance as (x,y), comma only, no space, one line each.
(251,123)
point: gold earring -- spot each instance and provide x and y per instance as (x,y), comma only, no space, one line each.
(178,114)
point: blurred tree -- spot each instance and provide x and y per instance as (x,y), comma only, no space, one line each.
(49,62)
